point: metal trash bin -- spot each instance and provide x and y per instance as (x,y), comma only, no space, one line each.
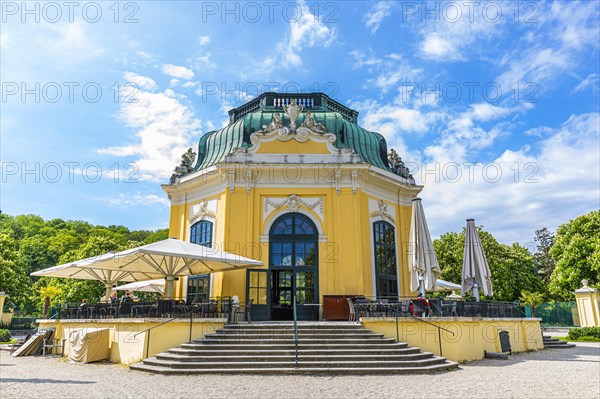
(504,342)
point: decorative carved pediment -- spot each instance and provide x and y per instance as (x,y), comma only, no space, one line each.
(202,211)
(294,203)
(383,211)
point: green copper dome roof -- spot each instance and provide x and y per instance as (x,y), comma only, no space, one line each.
(338,120)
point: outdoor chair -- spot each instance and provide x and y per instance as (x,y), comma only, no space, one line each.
(125,309)
(72,312)
(434,308)
(248,310)
(164,307)
(419,308)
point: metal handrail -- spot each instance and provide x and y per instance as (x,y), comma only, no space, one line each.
(295,328)
(435,325)
(152,328)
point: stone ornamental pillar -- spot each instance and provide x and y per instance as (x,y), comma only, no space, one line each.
(2,297)
(588,305)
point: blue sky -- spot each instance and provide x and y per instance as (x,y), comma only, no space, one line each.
(495,106)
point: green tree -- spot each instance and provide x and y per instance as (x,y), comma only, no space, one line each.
(544,239)
(512,267)
(14,280)
(576,252)
(533,299)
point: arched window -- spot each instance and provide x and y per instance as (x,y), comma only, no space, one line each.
(385,260)
(201,233)
(198,288)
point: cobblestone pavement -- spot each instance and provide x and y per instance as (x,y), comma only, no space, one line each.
(553,373)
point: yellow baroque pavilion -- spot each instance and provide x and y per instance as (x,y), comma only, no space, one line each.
(293,181)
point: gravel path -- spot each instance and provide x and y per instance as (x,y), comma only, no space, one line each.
(553,373)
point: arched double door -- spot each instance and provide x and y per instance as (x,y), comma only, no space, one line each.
(293,272)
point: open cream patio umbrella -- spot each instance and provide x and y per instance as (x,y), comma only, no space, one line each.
(170,259)
(476,271)
(157,286)
(422,262)
(80,270)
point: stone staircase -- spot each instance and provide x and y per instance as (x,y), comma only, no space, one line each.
(324,348)
(553,343)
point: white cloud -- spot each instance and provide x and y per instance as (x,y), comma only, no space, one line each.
(180,72)
(164,129)
(552,50)
(136,199)
(143,82)
(392,69)
(204,62)
(440,48)
(449,39)
(204,40)
(591,81)
(306,32)
(376,14)
(539,185)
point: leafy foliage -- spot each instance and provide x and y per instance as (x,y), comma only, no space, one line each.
(576,252)
(544,239)
(533,299)
(5,335)
(29,243)
(512,266)
(578,333)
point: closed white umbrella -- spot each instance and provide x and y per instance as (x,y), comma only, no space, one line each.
(157,286)
(476,271)
(423,265)
(172,258)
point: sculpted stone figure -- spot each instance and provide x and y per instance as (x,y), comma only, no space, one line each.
(293,110)
(275,124)
(186,165)
(310,123)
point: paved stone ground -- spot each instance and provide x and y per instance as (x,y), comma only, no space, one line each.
(553,373)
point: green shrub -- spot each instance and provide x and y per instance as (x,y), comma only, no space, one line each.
(5,336)
(578,333)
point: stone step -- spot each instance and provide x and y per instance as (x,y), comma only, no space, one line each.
(301,341)
(447,365)
(289,364)
(301,336)
(324,357)
(559,345)
(289,345)
(342,348)
(291,331)
(301,351)
(332,326)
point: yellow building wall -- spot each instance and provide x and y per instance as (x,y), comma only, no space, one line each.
(471,337)
(588,307)
(292,147)
(345,259)
(125,346)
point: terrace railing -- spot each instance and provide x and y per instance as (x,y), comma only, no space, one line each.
(170,308)
(409,307)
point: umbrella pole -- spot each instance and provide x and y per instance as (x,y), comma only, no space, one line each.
(108,287)
(169,286)
(476,291)
(422,285)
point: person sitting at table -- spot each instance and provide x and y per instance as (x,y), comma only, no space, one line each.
(126,297)
(113,299)
(84,302)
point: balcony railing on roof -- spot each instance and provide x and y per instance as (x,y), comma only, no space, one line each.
(276,101)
